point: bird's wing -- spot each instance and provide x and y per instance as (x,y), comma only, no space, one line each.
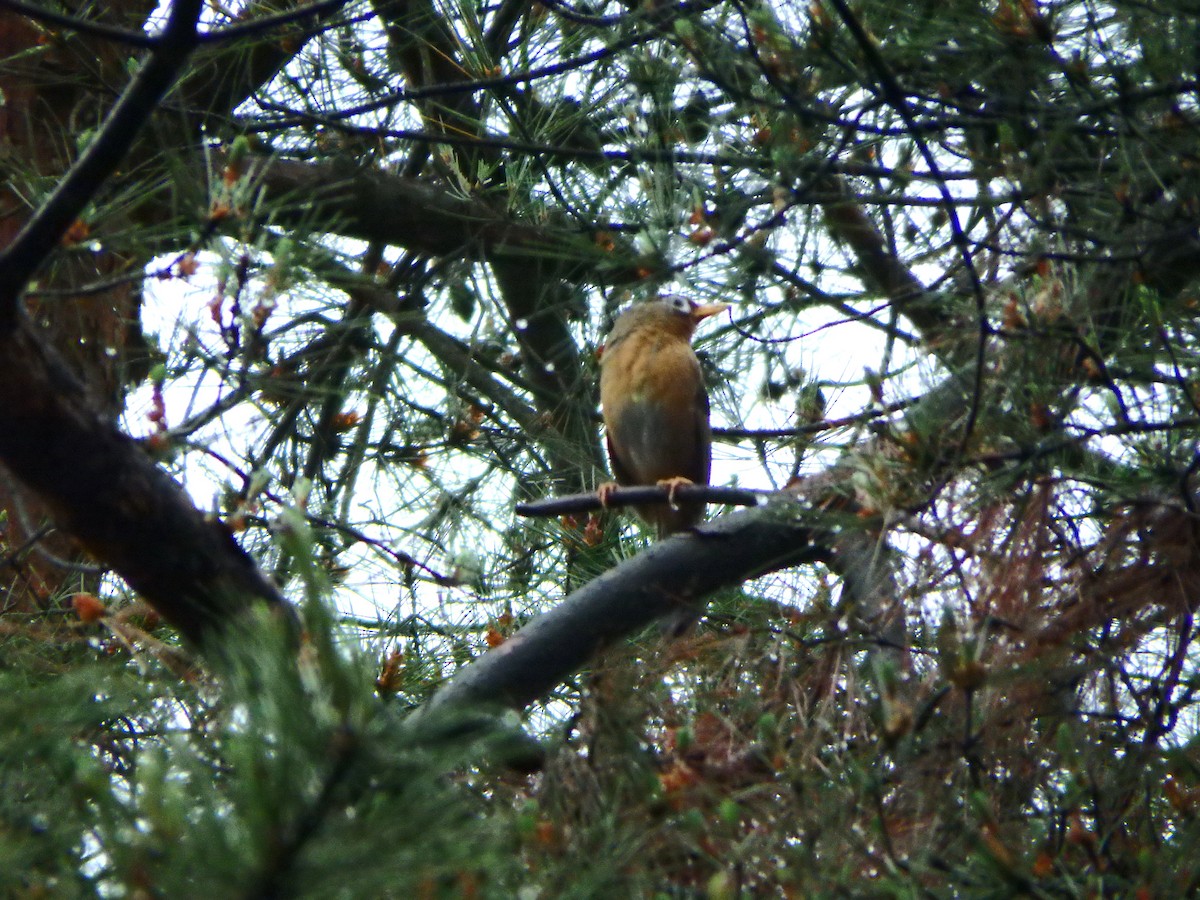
(702,457)
(620,467)
(649,440)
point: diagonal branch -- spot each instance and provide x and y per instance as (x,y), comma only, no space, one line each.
(679,571)
(425,217)
(43,232)
(99,485)
(815,525)
(103,489)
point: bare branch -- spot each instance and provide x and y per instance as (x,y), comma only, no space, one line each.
(426,218)
(104,490)
(43,232)
(636,496)
(680,571)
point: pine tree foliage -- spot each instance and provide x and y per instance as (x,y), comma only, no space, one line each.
(299,300)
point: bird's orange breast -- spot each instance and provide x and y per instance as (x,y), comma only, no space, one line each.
(655,409)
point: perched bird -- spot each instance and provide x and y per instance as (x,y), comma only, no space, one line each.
(655,406)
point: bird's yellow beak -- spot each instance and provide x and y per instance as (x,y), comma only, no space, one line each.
(700,313)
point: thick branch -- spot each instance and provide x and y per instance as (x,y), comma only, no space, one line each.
(103,489)
(97,483)
(424,217)
(880,268)
(680,571)
(43,232)
(228,71)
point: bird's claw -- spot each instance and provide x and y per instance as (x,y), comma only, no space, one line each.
(672,485)
(605,491)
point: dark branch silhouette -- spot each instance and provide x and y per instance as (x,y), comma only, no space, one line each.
(682,570)
(98,483)
(636,496)
(43,232)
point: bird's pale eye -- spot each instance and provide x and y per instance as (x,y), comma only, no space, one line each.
(681,305)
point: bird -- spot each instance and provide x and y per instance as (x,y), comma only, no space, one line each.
(655,407)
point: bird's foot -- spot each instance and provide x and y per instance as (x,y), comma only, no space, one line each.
(605,491)
(672,485)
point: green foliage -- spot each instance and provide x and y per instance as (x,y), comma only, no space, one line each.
(65,715)
(283,776)
(387,243)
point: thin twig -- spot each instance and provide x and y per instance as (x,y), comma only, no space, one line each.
(638,496)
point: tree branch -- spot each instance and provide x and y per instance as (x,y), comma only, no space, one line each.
(44,231)
(637,496)
(426,218)
(103,489)
(93,478)
(682,570)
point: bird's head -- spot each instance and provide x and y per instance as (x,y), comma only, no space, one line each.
(673,315)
